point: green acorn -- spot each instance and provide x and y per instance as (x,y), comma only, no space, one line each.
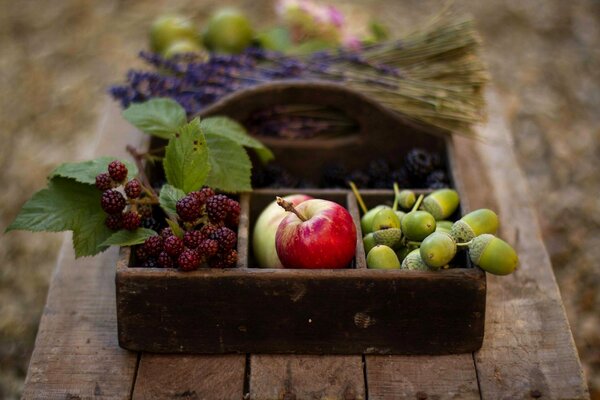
(443,226)
(388,237)
(414,262)
(438,249)
(417,225)
(493,254)
(406,199)
(382,257)
(366,222)
(400,215)
(369,242)
(402,252)
(386,218)
(474,224)
(441,203)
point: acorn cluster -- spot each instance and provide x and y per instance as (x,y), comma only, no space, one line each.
(124,207)
(208,236)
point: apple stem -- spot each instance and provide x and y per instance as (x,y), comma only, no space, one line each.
(287,206)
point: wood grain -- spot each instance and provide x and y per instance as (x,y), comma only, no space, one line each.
(422,377)
(168,376)
(528,350)
(306,377)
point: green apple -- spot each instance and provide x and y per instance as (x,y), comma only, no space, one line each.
(182,46)
(265,228)
(228,31)
(168,29)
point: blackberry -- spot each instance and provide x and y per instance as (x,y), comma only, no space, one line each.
(359,178)
(151,263)
(189,260)
(141,254)
(173,246)
(400,176)
(226,238)
(117,171)
(145,210)
(151,223)
(208,230)
(419,163)
(114,221)
(112,202)
(217,208)
(188,208)
(225,260)
(334,176)
(437,180)
(131,220)
(203,194)
(165,260)
(378,169)
(153,245)
(133,189)
(166,232)
(233,216)
(104,181)
(192,239)
(208,248)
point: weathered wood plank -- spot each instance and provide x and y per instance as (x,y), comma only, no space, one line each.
(162,376)
(528,350)
(306,377)
(422,377)
(76,352)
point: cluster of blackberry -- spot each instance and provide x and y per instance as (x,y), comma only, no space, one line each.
(420,169)
(209,238)
(123,211)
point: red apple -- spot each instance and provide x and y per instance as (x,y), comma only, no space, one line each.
(316,234)
(265,228)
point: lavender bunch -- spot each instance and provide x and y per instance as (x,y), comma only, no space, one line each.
(433,75)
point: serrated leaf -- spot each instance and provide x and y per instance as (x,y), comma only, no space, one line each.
(86,171)
(129,238)
(169,195)
(230,166)
(160,117)
(230,129)
(186,161)
(67,205)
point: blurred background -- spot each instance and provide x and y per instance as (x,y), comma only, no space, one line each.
(58,58)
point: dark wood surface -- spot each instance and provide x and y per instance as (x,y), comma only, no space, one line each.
(528,348)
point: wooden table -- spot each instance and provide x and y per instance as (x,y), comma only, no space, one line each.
(528,350)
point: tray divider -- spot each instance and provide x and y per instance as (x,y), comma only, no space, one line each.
(243,232)
(360,258)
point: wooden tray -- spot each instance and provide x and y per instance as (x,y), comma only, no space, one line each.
(348,311)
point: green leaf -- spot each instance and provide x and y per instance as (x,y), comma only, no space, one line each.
(160,117)
(129,238)
(177,231)
(230,166)
(67,205)
(230,129)
(169,195)
(86,171)
(186,161)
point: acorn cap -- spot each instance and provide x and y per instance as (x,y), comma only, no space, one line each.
(493,255)
(474,224)
(414,262)
(437,249)
(389,237)
(406,199)
(441,203)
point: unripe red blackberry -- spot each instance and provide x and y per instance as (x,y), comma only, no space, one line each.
(153,245)
(131,220)
(226,238)
(113,202)
(208,248)
(104,181)
(192,239)
(217,208)
(203,194)
(145,210)
(233,216)
(165,260)
(188,208)
(140,253)
(114,221)
(166,232)
(208,230)
(117,171)
(226,260)
(173,246)
(133,189)
(189,260)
